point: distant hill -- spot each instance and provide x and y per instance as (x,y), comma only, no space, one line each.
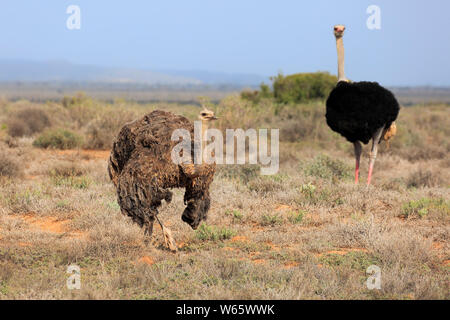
(63,71)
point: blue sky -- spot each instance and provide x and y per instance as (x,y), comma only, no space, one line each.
(246,36)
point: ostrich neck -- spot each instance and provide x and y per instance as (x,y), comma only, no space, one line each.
(340,54)
(205,125)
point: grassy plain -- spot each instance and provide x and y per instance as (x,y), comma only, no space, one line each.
(306,232)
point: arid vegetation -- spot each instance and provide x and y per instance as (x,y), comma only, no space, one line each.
(306,232)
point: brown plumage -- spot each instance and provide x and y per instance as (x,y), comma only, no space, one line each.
(141,168)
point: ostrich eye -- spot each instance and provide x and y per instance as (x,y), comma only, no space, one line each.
(204,114)
(335,28)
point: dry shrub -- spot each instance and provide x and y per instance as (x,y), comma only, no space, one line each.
(327,168)
(27,121)
(424,178)
(425,152)
(422,133)
(296,129)
(265,184)
(242,173)
(100,132)
(9,166)
(234,112)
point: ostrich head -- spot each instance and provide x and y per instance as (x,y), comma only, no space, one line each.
(196,211)
(339,30)
(207,115)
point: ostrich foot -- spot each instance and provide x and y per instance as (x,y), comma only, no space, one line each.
(168,238)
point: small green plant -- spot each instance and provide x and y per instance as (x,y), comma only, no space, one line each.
(308,190)
(3,288)
(236,214)
(62,205)
(212,233)
(296,217)
(113,205)
(270,219)
(58,139)
(327,168)
(415,207)
(424,206)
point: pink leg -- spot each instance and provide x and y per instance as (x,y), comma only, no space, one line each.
(358,149)
(369,177)
(373,154)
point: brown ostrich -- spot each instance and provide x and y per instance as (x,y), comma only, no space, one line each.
(141,168)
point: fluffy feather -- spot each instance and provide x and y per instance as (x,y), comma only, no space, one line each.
(356,110)
(142,170)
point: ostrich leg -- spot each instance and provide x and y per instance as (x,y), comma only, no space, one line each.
(149,228)
(358,150)
(168,238)
(373,154)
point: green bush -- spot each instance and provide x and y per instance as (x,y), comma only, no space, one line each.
(205,232)
(422,207)
(296,216)
(302,87)
(58,139)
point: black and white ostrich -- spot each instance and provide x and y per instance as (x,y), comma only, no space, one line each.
(360,111)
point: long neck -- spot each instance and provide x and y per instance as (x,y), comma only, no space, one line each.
(205,125)
(341,58)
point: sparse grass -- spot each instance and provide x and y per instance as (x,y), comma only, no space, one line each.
(72,181)
(66,169)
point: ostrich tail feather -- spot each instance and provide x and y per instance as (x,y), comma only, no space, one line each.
(390,133)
